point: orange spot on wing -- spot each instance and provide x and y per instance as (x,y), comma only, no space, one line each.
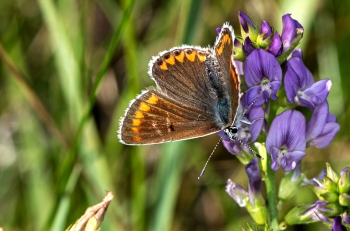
(225,39)
(234,77)
(153,99)
(139,115)
(220,49)
(201,57)
(163,66)
(191,56)
(137,138)
(136,122)
(170,60)
(180,57)
(136,130)
(144,107)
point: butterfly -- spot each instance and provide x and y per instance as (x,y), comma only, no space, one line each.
(197,93)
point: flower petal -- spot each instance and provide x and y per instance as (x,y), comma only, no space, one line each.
(337,225)
(276,47)
(259,65)
(317,122)
(327,136)
(256,116)
(248,46)
(318,92)
(237,193)
(254,177)
(252,94)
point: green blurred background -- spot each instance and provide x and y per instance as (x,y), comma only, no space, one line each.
(68,71)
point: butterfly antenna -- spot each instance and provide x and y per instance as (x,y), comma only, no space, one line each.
(206,163)
(250,148)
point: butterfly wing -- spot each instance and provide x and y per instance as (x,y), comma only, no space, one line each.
(185,103)
(223,49)
(155,118)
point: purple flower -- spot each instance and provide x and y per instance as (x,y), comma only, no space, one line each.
(299,84)
(248,131)
(286,141)
(263,76)
(218,30)
(237,193)
(275,47)
(337,225)
(254,177)
(322,127)
(289,33)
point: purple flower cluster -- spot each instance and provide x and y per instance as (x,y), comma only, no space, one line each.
(267,39)
(278,85)
(263,54)
(332,190)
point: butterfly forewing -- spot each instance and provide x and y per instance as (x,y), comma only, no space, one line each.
(180,74)
(223,50)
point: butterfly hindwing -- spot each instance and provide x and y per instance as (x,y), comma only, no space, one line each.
(154,118)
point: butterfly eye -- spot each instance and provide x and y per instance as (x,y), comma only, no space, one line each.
(233,130)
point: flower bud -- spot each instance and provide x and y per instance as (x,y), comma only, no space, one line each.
(291,34)
(331,173)
(333,209)
(346,219)
(276,47)
(238,51)
(308,213)
(330,197)
(265,36)
(330,184)
(344,200)
(344,181)
(248,28)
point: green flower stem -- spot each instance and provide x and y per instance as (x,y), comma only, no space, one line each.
(271,194)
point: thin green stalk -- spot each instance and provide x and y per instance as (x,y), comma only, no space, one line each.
(271,195)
